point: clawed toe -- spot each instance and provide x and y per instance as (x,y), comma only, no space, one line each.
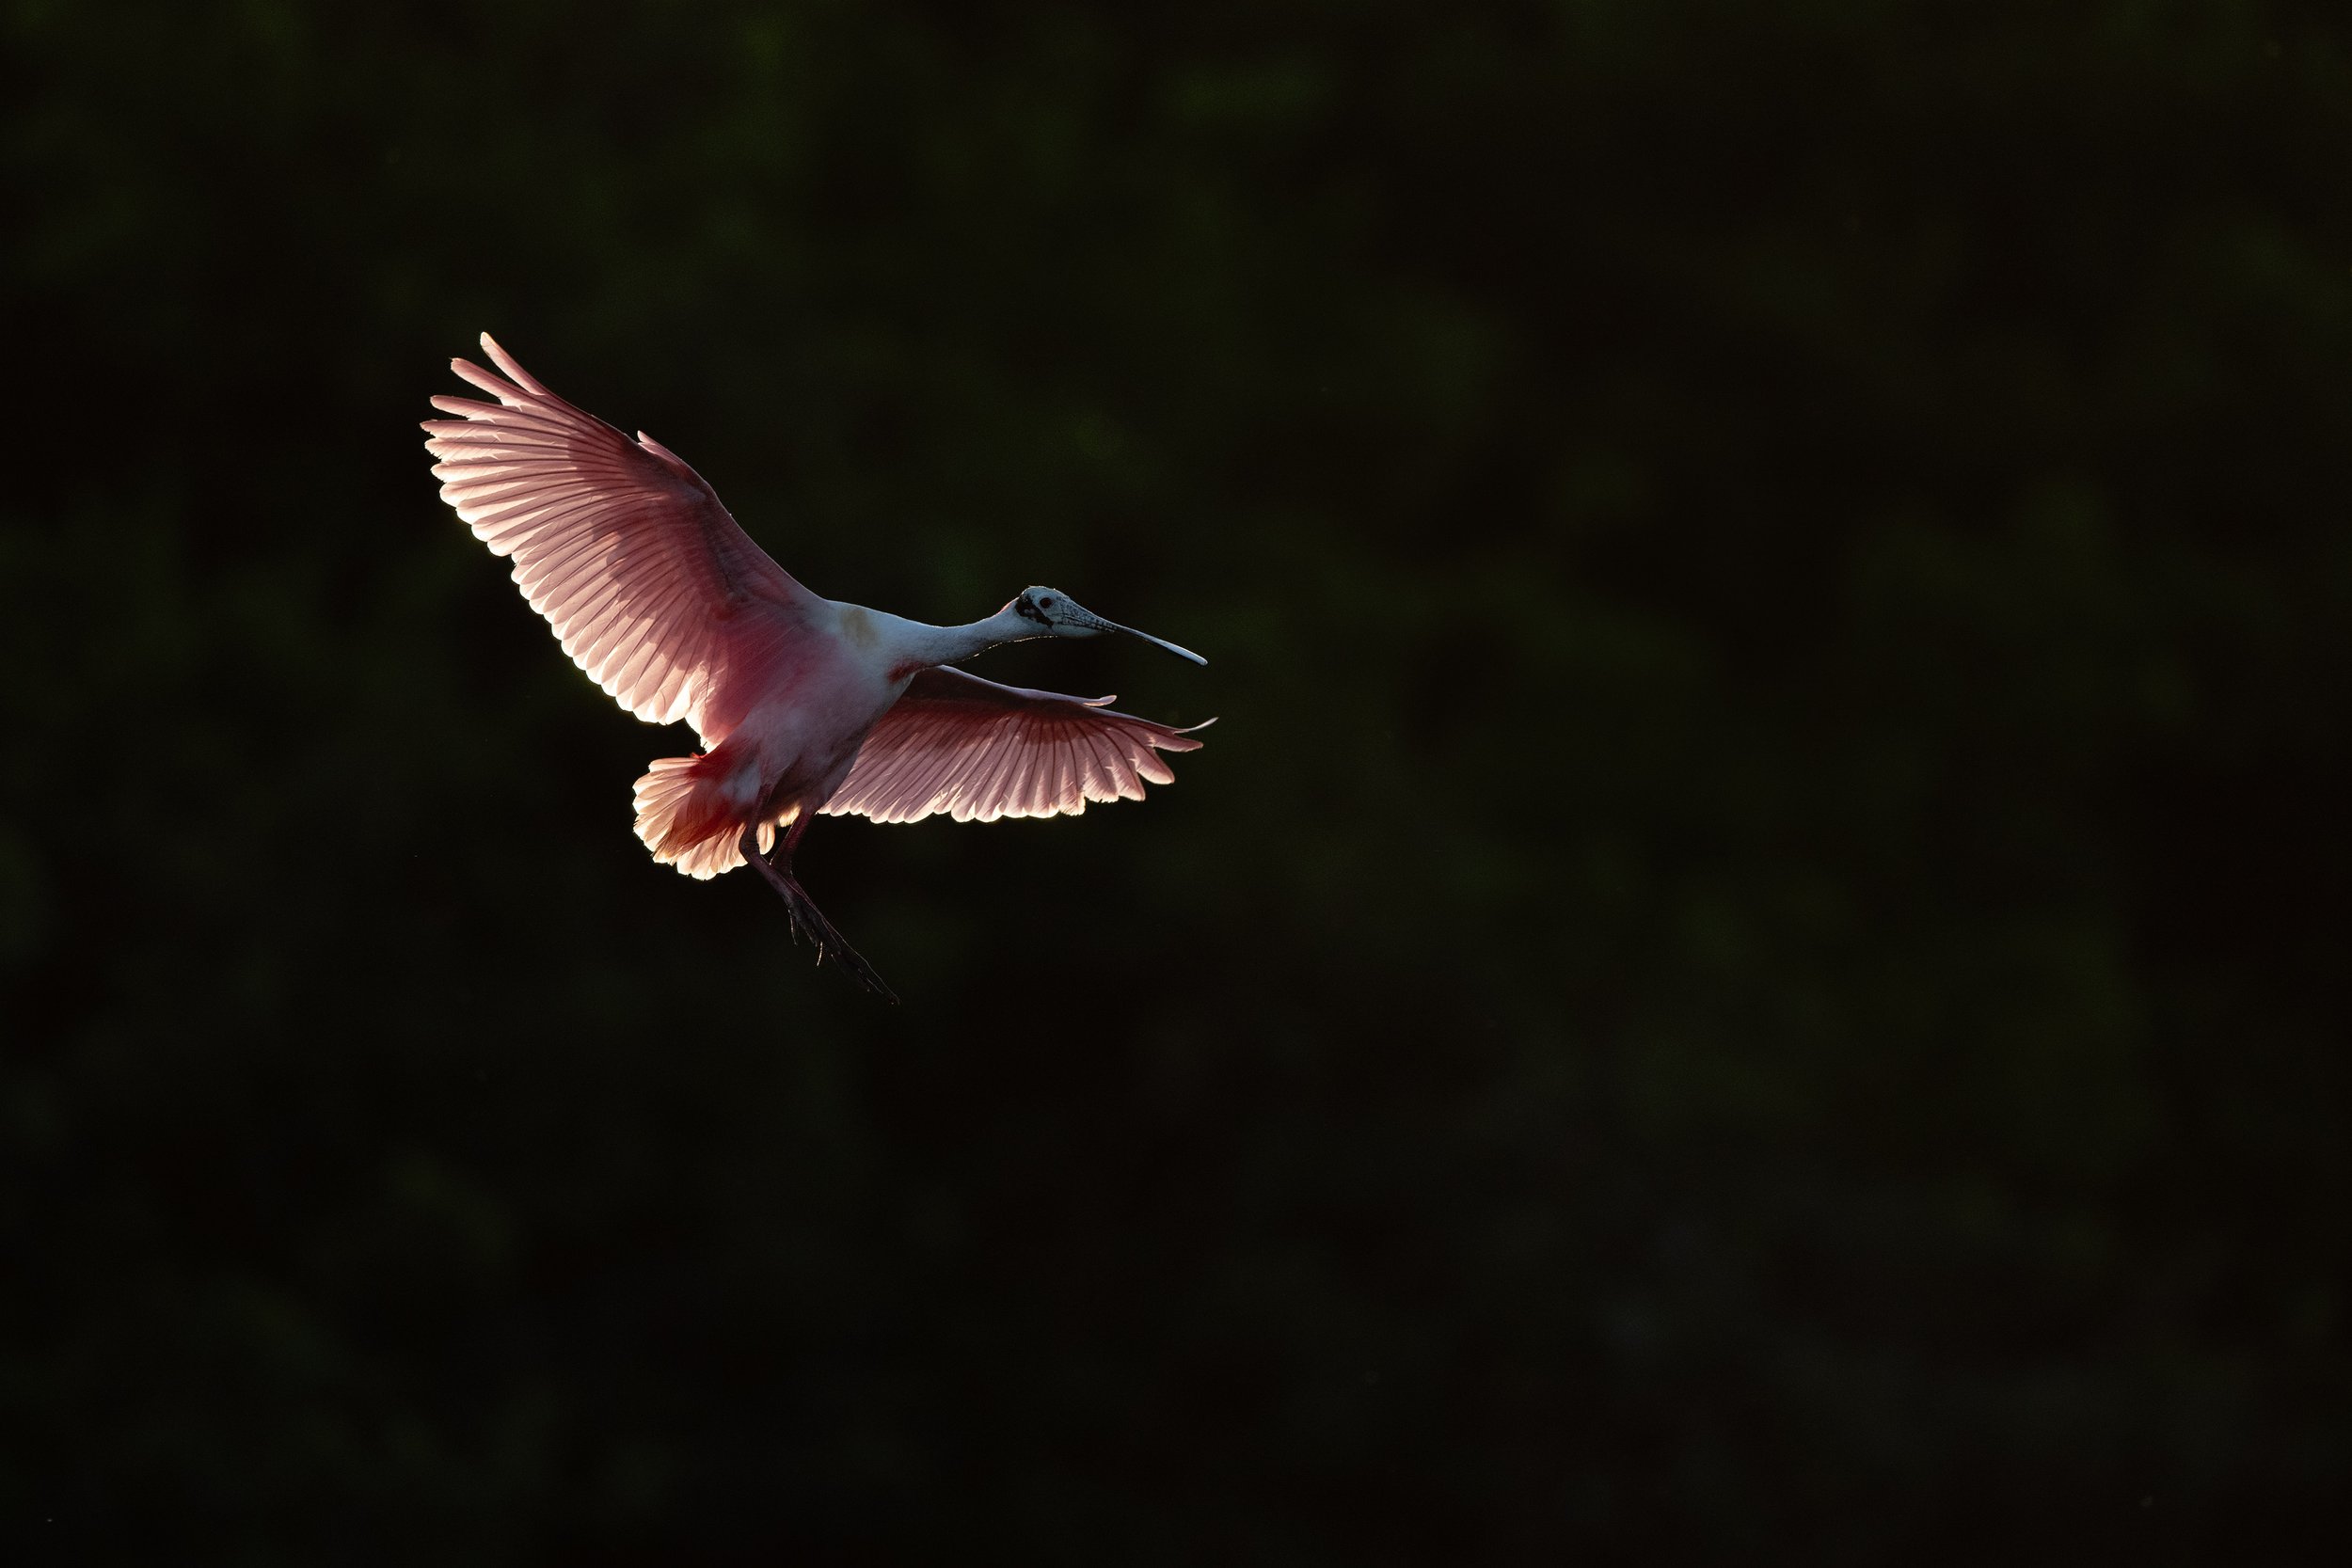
(807,920)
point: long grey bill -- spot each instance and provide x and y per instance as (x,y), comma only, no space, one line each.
(1158,643)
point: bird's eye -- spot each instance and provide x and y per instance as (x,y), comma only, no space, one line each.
(1045,604)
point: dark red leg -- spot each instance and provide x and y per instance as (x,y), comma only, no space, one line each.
(806,918)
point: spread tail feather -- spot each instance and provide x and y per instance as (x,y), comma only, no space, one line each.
(690,815)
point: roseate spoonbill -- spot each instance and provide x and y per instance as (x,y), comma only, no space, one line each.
(804,705)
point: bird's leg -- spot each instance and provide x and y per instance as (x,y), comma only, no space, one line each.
(807,919)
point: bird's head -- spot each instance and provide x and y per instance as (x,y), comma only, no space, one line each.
(1051,612)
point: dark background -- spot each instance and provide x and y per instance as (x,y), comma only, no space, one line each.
(1757,961)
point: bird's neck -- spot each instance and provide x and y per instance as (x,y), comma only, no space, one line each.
(915,645)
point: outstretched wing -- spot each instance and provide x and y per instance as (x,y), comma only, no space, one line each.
(650,585)
(977,750)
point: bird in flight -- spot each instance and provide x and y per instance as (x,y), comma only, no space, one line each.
(804,705)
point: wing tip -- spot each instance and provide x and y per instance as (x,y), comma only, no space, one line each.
(507,363)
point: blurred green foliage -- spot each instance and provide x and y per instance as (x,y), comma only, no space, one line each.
(1757,959)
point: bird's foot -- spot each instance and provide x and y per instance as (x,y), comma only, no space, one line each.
(809,921)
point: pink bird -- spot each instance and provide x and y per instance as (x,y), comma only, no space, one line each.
(804,705)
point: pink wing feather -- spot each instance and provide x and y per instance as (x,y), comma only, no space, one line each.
(973,749)
(650,585)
